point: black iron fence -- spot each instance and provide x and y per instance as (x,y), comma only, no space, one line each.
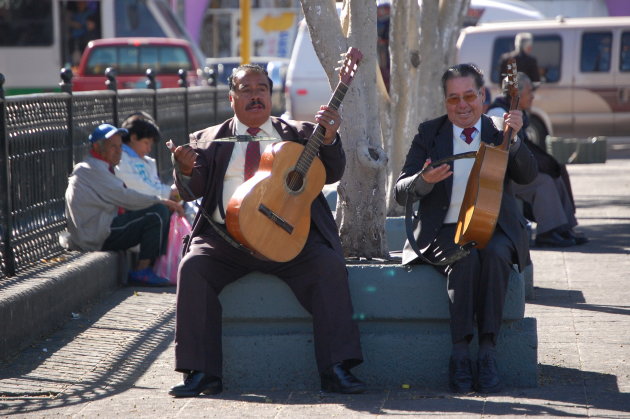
(43,135)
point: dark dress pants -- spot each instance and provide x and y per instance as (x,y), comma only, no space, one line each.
(476,284)
(317,276)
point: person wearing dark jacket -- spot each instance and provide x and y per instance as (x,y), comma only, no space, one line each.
(477,283)
(522,53)
(549,197)
(317,275)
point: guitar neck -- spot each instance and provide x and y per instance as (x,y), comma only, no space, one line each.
(508,131)
(317,138)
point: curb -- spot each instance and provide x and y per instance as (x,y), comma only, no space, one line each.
(36,302)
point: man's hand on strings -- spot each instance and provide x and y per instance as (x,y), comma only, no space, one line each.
(330,120)
(514,119)
(184,156)
(435,174)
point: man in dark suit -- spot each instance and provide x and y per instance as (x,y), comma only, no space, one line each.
(476,283)
(549,196)
(317,275)
(522,53)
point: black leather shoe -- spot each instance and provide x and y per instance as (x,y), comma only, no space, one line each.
(196,383)
(460,377)
(488,380)
(553,239)
(578,238)
(338,379)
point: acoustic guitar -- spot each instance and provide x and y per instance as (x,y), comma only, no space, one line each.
(271,212)
(482,200)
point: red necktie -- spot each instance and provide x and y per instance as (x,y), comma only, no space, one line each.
(252,155)
(468,132)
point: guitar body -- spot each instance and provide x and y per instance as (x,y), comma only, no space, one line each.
(480,208)
(268,216)
(482,201)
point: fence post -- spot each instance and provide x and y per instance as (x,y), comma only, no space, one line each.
(184,83)
(6,222)
(112,85)
(212,80)
(66,87)
(151,84)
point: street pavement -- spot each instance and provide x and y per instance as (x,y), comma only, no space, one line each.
(116,360)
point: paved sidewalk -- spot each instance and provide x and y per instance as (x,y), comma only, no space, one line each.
(116,360)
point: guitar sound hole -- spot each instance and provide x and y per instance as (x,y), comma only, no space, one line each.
(295,181)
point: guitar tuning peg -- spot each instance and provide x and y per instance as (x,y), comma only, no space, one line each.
(337,69)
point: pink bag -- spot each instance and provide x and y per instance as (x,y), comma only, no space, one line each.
(167,264)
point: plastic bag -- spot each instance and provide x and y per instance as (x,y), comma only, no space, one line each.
(167,264)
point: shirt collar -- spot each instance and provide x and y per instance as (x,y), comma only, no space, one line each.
(266,129)
(457,131)
(130,151)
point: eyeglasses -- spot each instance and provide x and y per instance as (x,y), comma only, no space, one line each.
(469,97)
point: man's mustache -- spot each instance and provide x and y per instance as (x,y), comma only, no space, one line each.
(254,103)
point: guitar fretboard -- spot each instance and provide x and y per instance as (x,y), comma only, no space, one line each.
(317,138)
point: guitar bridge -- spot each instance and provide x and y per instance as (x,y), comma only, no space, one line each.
(279,221)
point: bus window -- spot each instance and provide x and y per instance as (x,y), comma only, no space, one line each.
(26,23)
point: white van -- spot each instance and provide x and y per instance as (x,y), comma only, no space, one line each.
(585,69)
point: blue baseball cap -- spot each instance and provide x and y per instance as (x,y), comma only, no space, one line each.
(105,131)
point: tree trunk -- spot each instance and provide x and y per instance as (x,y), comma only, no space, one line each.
(422,44)
(417,58)
(361,195)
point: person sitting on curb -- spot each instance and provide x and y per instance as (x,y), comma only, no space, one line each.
(103,214)
(136,168)
(549,195)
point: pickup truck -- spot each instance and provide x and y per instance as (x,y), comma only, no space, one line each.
(131,57)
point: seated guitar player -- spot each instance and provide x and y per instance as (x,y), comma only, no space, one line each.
(317,275)
(476,284)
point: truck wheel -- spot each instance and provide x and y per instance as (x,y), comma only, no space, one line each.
(537,132)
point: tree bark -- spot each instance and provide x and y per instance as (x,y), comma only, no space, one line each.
(418,57)
(422,44)
(361,197)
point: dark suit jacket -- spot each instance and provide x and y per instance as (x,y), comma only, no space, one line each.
(435,140)
(525,63)
(212,162)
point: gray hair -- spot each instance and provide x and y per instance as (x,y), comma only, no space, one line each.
(523,40)
(522,79)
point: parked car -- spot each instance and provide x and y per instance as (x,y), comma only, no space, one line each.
(131,57)
(585,70)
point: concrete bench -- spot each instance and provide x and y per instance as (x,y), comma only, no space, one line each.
(403,316)
(396,237)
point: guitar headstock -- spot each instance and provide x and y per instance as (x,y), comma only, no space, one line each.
(350,64)
(512,79)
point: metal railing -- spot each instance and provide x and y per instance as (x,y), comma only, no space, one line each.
(42,136)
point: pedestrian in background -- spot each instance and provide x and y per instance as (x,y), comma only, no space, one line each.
(522,53)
